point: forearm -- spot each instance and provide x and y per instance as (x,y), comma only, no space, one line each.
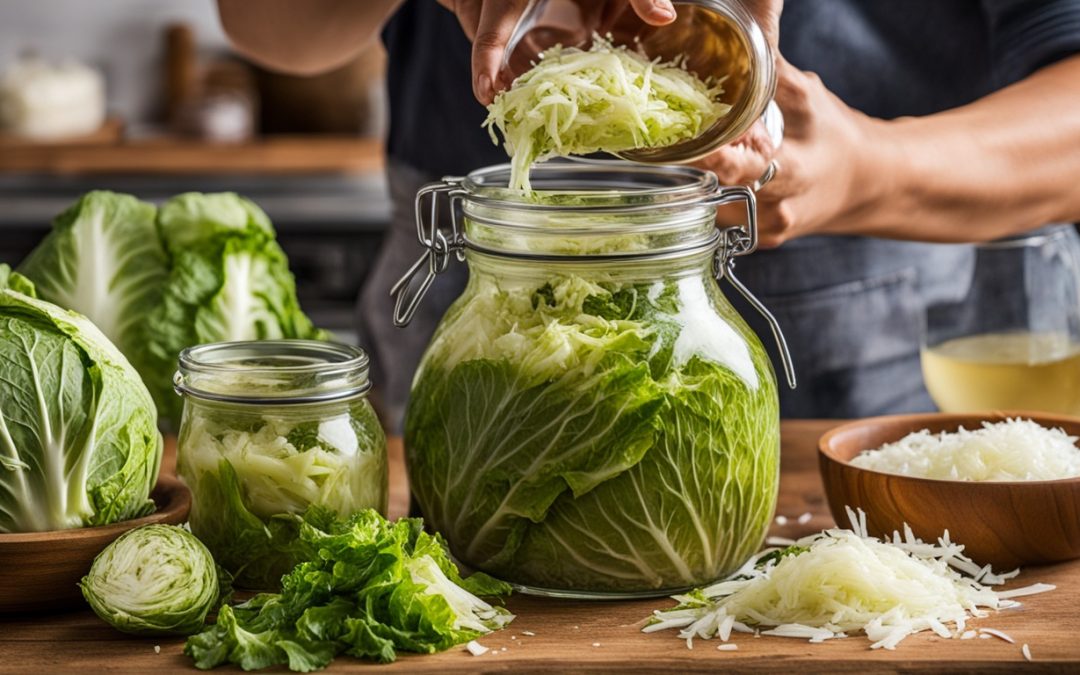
(1006,163)
(303,36)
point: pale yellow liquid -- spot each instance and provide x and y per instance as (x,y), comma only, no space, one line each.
(1003,371)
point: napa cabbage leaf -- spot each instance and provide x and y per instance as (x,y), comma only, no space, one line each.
(16,282)
(104,260)
(202,268)
(595,436)
(79,444)
(228,280)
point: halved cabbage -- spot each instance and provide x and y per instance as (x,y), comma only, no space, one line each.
(153,579)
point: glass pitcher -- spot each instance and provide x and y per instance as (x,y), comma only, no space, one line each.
(1013,342)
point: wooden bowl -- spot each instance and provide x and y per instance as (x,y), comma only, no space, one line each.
(41,570)
(1005,524)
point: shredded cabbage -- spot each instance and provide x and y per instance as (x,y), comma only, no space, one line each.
(606,99)
(1015,449)
(840,581)
(251,472)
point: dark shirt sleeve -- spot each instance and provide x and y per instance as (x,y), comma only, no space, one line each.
(1026,35)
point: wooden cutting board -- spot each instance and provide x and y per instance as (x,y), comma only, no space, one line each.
(596,637)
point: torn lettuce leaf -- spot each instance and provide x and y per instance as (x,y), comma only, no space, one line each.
(369,588)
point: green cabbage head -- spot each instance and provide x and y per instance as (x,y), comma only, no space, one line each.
(156,579)
(202,268)
(79,444)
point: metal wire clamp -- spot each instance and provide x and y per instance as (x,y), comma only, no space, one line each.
(439,246)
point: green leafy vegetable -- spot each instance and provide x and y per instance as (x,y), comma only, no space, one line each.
(156,579)
(16,282)
(252,472)
(369,588)
(203,268)
(79,443)
(104,260)
(229,280)
(601,436)
(606,99)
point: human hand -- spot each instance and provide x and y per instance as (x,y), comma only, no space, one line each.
(832,166)
(767,15)
(490,23)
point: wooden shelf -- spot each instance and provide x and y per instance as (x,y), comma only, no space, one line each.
(110,133)
(171,155)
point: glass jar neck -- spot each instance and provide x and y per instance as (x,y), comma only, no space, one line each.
(507,270)
(591,209)
(275,372)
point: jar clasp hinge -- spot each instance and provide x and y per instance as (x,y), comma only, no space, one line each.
(438,244)
(738,241)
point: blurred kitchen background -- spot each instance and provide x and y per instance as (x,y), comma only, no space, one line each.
(145,97)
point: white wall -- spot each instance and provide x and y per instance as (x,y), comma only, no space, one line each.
(124,38)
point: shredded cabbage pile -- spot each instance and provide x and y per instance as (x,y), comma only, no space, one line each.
(839,581)
(1015,449)
(606,99)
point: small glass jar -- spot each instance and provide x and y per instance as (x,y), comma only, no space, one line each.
(592,418)
(274,431)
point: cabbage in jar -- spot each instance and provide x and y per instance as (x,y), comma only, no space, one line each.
(272,431)
(592,418)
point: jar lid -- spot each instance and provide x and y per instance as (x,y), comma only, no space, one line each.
(278,372)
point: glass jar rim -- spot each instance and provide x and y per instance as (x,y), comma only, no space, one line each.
(612,181)
(284,371)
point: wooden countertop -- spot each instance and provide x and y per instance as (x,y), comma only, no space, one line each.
(604,636)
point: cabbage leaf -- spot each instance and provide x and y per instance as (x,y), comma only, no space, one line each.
(590,436)
(103,259)
(228,280)
(79,444)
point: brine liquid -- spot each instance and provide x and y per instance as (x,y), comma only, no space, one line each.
(1002,371)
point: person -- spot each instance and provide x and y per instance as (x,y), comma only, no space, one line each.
(912,129)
